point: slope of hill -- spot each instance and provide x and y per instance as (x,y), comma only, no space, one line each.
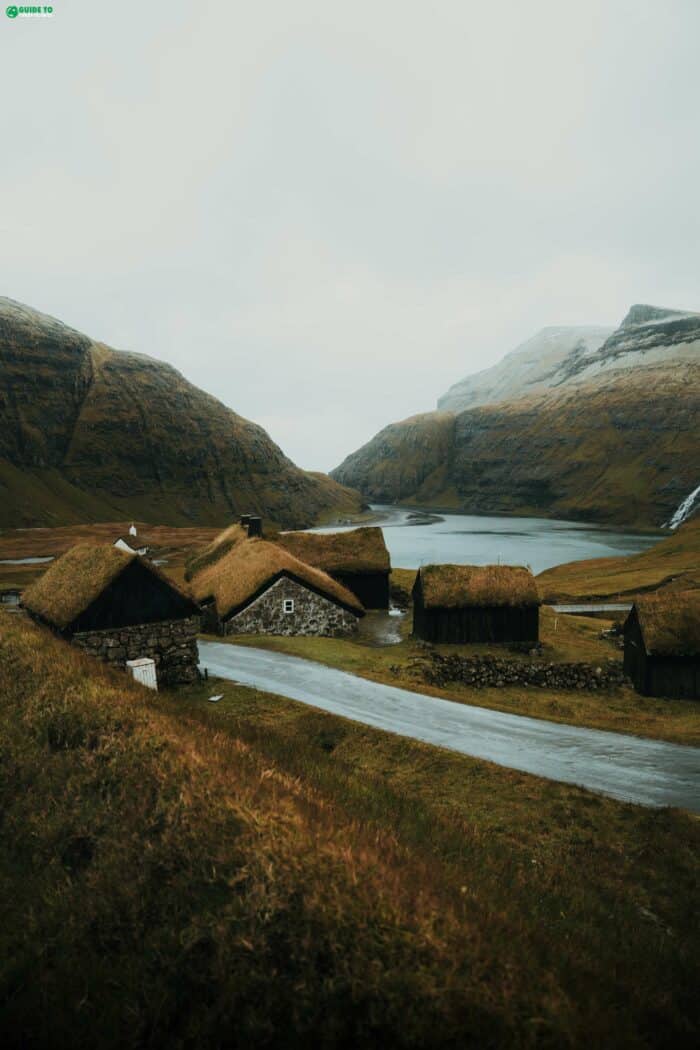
(94,434)
(673,564)
(257,873)
(617,440)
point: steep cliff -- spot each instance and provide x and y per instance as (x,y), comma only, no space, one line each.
(93,434)
(616,440)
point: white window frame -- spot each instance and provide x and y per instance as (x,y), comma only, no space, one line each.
(288,605)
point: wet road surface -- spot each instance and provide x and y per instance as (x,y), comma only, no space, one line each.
(650,772)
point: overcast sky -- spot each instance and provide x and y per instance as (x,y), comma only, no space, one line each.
(325,213)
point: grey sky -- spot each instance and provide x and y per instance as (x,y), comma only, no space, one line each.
(326,213)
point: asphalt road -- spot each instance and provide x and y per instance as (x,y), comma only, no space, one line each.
(650,772)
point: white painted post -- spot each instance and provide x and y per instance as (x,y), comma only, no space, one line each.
(144,671)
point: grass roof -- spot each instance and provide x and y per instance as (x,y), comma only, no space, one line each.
(670,622)
(459,586)
(353,552)
(219,546)
(248,567)
(77,578)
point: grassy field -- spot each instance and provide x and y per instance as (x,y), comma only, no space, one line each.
(256,873)
(166,542)
(674,562)
(564,638)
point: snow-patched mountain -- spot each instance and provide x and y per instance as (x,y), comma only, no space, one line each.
(611,435)
(555,357)
(532,367)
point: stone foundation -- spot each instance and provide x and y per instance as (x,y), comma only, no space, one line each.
(483,672)
(172,644)
(312,614)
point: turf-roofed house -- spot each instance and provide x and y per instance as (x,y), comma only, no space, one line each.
(475,603)
(662,645)
(257,587)
(357,558)
(119,607)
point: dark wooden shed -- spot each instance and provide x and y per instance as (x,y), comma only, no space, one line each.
(475,603)
(662,645)
(356,558)
(120,607)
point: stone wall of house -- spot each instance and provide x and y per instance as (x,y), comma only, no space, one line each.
(171,643)
(312,613)
(487,671)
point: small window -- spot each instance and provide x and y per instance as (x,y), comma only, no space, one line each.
(288,605)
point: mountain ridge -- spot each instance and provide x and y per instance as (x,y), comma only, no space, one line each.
(91,433)
(615,440)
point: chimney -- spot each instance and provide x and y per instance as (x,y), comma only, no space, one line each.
(254,526)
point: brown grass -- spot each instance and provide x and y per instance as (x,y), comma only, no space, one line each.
(259,874)
(173,544)
(249,566)
(457,586)
(226,540)
(670,622)
(356,551)
(73,582)
(672,563)
(70,584)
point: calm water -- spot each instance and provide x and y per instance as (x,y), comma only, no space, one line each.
(467,539)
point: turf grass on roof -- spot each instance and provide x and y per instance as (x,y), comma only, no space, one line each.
(353,552)
(460,586)
(78,577)
(246,569)
(670,623)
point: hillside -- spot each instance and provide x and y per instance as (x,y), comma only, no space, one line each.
(94,434)
(673,563)
(615,441)
(257,873)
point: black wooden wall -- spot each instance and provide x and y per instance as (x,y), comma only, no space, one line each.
(635,657)
(372,588)
(475,624)
(136,596)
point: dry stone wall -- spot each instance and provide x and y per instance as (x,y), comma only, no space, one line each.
(172,644)
(312,613)
(486,671)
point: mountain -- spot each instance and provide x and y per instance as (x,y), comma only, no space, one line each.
(613,436)
(95,434)
(532,367)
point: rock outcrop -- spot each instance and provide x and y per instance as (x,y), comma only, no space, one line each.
(94,434)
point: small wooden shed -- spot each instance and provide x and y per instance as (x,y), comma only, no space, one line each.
(475,603)
(662,644)
(260,588)
(357,558)
(119,607)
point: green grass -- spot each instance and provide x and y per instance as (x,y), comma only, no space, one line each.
(257,873)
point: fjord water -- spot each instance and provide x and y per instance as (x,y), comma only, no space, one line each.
(475,540)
